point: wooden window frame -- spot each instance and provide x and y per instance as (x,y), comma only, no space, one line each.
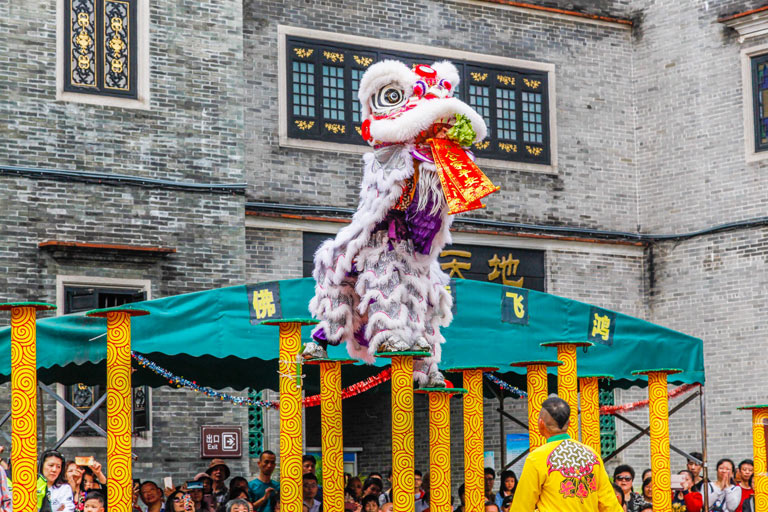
(323,54)
(289,136)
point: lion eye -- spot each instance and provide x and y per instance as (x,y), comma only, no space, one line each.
(388,97)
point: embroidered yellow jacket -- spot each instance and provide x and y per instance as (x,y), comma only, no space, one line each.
(564,475)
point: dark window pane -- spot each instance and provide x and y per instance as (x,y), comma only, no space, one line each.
(533,127)
(333,92)
(303,89)
(480,100)
(357,74)
(762,102)
(505,114)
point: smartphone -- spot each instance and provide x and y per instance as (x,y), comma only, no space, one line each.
(83,461)
(188,502)
(194,484)
(168,482)
(677,482)
(137,481)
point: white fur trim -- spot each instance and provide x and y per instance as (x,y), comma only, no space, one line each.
(447,71)
(407,126)
(381,74)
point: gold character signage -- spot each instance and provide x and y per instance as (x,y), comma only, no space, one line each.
(264,302)
(514,305)
(601,326)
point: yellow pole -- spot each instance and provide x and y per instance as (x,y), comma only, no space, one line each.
(440,447)
(759,426)
(291,428)
(474,439)
(658,411)
(402,434)
(119,482)
(590,410)
(567,384)
(331,435)
(536,379)
(24,402)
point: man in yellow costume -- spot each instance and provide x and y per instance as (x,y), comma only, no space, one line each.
(563,474)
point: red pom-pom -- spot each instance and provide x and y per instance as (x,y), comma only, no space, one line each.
(449,384)
(424,71)
(366,129)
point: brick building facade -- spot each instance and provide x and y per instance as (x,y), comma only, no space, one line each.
(648,131)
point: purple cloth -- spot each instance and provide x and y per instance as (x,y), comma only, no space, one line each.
(422,224)
(319,337)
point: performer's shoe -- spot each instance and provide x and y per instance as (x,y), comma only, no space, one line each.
(435,379)
(394,345)
(314,350)
(421,345)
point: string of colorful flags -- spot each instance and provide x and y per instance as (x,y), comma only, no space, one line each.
(516,392)
(613,409)
(310,401)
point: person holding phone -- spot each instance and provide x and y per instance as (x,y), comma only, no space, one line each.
(263,489)
(179,501)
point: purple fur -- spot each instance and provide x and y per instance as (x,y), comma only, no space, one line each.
(422,224)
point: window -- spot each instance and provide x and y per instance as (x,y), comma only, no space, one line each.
(83,397)
(101,41)
(760,101)
(323,79)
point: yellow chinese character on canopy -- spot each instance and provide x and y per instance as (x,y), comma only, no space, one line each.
(506,268)
(517,304)
(601,326)
(263,303)
(456,266)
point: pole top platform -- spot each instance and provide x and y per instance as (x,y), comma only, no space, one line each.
(460,369)
(752,407)
(300,321)
(596,376)
(668,371)
(576,343)
(537,362)
(447,391)
(102,313)
(39,306)
(410,353)
(319,361)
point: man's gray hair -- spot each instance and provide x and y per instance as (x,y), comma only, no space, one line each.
(558,409)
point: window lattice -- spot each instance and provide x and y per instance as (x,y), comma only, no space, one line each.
(303,89)
(480,100)
(101,39)
(333,93)
(255,425)
(505,114)
(533,128)
(760,94)
(607,425)
(357,74)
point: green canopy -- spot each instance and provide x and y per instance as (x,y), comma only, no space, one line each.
(215,337)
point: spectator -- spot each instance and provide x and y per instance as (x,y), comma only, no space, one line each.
(723,494)
(309,483)
(386,494)
(376,474)
(53,492)
(198,498)
(179,501)
(309,463)
(205,478)
(152,496)
(6,499)
(263,489)
(460,508)
(507,483)
(355,489)
(418,491)
(506,503)
(491,507)
(94,503)
(235,493)
(238,505)
(619,496)
(746,469)
(94,479)
(238,481)
(425,496)
(219,472)
(372,487)
(646,474)
(695,469)
(647,490)
(490,477)
(74,477)
(370,503)
(387,507)
(623,476)
(678,496)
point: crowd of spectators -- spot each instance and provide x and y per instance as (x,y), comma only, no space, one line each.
(80,486)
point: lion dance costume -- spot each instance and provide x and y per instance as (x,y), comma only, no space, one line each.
(379,286)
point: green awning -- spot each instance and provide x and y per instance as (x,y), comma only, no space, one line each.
(213,337)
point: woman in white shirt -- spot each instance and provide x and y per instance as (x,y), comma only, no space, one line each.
(724,495)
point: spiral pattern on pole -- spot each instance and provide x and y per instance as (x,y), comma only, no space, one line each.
(402,434)
(332,439)
(536,378)
(440,452)
(567,385)
(291,435)
(590,413)
(659,422)
(474,482)
(119,488)
(24,408)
